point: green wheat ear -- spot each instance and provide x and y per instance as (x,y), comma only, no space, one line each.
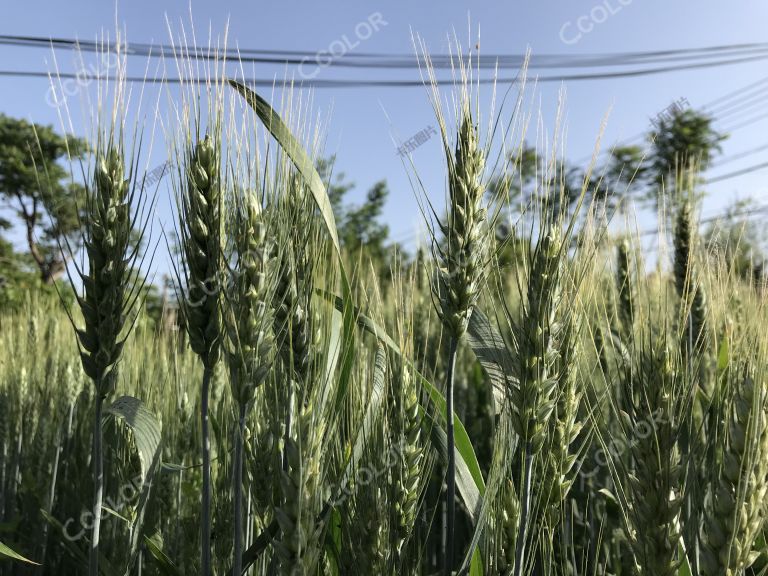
(200,222)
(248,321)
(112,236)
(687,281)
(734,510)
(202,244)
(248,327)
(625,288)
(534,401)
(107,284)
(406,423)
(297,326)
(466,246)
(656,482)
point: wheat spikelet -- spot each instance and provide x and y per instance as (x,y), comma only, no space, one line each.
(564,426)
(298,338)
(466,245)
(248,321)
(624,287)
(112,236)
(734,510)
(534,400)
(687,282)
(462,261)
(248,328)
(296,330)
(368,506)
(406,442)
(107,284)
(508,525)
(655,484)
(299,545)
(200,215)
(262,454)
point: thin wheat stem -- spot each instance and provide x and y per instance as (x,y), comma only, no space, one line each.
(237,479)
(206,495)
(451,479)
(526,504)
(288,423)
(98,478)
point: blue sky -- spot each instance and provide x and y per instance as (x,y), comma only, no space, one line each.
(363,121)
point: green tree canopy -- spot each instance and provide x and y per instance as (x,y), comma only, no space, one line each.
(683,144)
(739,240)
(37,187)
(531,177)
(359,226)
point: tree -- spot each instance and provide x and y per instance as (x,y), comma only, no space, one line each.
(531,178)
(37,187)
(684,144)
(359,226)
(626,165)
(19,277)
(739,241)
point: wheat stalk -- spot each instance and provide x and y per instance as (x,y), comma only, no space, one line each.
(249,344)
(462,261)
(297,329)
(200,216)
(734,510)
(111,293)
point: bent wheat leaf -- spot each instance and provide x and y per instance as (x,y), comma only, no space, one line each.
(165,565)
(295,151)
(8,552)
(471,485)
(293,148)
(492,353)
(147,433)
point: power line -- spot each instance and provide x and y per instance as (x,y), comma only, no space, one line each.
(729,98)
(746,123)
(315,83)
(352,58)
(743,171)
(743,98)
(739,156)
(742,109)
(730,56)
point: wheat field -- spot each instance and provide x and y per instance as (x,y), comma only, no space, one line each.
(564,410)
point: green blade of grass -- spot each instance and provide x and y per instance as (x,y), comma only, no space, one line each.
(8,552)
(295,151)
(464,448)
(147,433)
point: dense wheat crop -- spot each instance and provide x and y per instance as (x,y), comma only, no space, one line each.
(565,412)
